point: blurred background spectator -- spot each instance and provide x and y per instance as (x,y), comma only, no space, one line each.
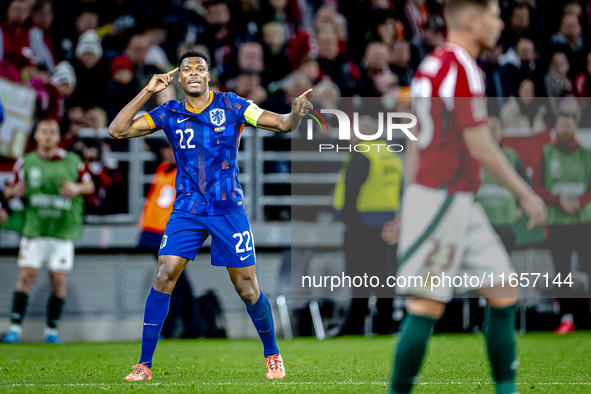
(23,43)
(275,52)
(114,47)
(556,80)
(517,25)
(400,58)
(90,71)
(433,36)
(518,63)
(122,87)
(524,111)
(564,185)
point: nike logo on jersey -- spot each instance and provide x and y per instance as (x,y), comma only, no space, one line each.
(181,120)
(245,257)
(150,324)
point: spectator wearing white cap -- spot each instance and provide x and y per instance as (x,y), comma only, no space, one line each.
(61,85)
(89,49)
(64,78)
(91,72)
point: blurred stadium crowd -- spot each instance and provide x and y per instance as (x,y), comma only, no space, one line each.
(87,59)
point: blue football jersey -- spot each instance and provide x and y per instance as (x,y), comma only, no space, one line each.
(205,145)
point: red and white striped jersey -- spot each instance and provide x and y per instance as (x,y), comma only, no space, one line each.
(448,97)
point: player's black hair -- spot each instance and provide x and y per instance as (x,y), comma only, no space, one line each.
(45,119)
(194,54)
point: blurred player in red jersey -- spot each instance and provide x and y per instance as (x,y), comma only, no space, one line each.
(443,229)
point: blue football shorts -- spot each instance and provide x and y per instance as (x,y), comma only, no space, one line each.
(232,244)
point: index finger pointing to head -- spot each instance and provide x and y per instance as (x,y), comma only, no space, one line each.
(306,93)
(172,72)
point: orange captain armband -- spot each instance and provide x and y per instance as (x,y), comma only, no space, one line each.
(150,121)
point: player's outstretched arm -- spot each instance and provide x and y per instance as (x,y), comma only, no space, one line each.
(486,151)
(124,125)
(287,122)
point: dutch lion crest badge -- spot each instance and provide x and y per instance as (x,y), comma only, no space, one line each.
(217,117)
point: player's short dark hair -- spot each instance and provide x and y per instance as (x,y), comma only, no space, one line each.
(194,54)
(452,5)
(46,120)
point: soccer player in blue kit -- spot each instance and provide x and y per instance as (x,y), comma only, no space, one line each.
(204,131)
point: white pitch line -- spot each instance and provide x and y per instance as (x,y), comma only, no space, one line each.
(284,383)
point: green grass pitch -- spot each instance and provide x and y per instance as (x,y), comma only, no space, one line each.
(454,364)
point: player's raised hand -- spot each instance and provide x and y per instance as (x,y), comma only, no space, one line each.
(535,209)
(301,104)
(159,82)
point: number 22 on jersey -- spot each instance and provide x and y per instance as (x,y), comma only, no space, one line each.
(190,134)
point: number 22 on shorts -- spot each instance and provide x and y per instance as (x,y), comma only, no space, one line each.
(247,245)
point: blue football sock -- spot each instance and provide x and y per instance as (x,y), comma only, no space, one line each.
(262,318)
(154,315)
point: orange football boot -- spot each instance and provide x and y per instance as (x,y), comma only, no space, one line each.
(141,372)
(275,368)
